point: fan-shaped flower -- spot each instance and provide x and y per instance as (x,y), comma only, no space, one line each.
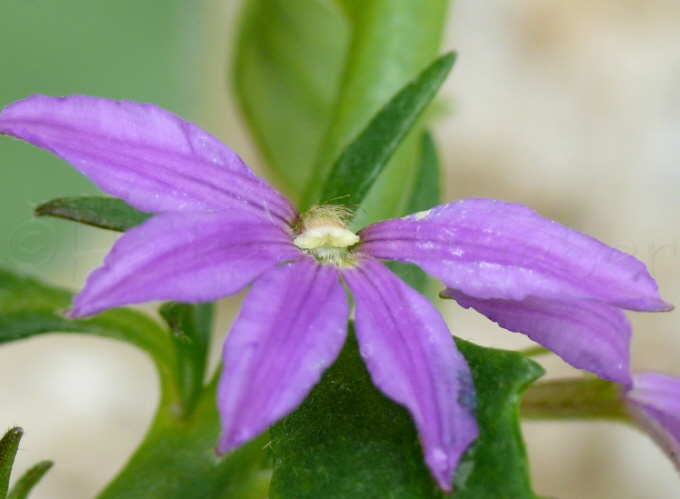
(220,228)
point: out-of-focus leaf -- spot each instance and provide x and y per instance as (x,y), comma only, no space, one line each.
(177,461)
(358,166)
(311,74)
(427,190)
(191,326)
(287,71)
(177,458)
(29,307)
(426,194)
(392,42)
(106,213)
(25,484)
(114,49)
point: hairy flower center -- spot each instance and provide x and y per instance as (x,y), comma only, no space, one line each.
(323,234)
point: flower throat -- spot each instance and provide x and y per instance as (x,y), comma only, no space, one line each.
(322,232)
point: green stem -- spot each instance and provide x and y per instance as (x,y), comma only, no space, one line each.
(583,398)
(534,351)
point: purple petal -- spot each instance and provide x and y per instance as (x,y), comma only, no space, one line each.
(143,154)
(291,327)
(588,335)
(654,402)
(189,257)
(492,249)
(413,359)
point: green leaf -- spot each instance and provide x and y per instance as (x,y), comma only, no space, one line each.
(177,461)
(29,307)
(392,42)
(358,166)
(25,484)
(191,326)
(287,72)
(8,450)
(348,440)
(496,464)
(427,191)
(106,213)
(426,194)
(177,458)
(311,74)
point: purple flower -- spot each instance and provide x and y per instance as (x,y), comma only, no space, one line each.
(654,404)
(220,228)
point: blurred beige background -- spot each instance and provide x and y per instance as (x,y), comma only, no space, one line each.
(569,106)
(573,107)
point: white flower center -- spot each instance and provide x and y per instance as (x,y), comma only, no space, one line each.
(325,236)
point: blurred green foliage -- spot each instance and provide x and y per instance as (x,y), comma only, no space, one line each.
(311,74)
(124,50)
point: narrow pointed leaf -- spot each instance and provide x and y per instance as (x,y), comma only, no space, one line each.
(392,41)
(360,164)
(25,484)
(391,192)
(8,450)
(103,212)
